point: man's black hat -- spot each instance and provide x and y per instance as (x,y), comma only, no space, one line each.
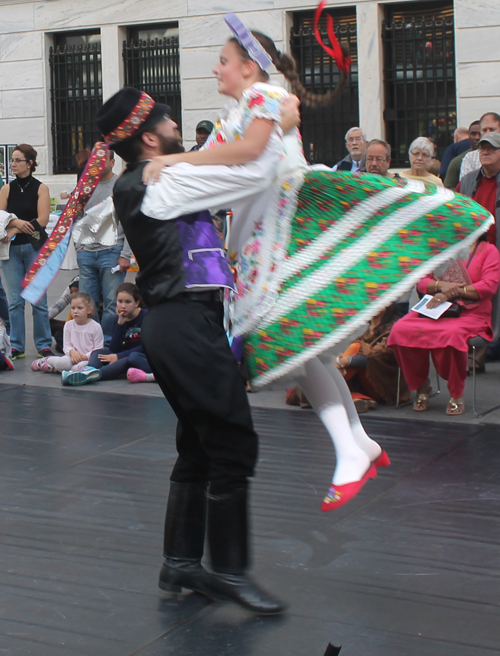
(205,125)
(128,113)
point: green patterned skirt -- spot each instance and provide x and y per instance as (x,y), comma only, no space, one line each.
(353,245)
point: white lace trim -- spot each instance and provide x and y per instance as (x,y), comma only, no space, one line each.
(350,221)
(370,311)
(354,253)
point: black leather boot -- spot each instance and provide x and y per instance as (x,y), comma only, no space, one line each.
(184,538)
(228,540)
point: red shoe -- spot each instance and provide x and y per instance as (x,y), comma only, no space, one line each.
(338,495)
(382,461)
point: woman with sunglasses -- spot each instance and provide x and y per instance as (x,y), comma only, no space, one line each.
(29,200)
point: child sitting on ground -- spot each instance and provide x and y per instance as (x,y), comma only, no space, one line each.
(57,325)
(5,349)
(125,353)
(82,335)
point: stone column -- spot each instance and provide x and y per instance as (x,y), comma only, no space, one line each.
(370,69)
(112,37)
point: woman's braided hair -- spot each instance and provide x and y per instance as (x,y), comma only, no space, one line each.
(287,66)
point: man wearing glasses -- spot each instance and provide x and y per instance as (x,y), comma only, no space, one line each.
(378,157)
(483,185)
(355,141)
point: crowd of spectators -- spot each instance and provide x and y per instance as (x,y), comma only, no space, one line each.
(105,310)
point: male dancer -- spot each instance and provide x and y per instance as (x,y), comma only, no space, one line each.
(182,270)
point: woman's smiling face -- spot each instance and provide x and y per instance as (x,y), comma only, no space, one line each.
(231,71)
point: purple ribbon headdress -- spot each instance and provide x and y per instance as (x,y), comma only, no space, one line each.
(248,41)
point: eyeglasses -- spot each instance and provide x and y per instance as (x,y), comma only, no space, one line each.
(422,155)
(488,147)
(355,140)
(17,161)
(379,160)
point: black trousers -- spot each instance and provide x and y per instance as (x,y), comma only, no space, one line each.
(189,354)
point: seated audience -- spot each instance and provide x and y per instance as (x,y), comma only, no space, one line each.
(460,145)
(370,366)
(421,152)
(378,157)
(125,351)
(452,177)
(355,141)
(6,363)
(470,282)
(489,122)
(57,325)
(82,335)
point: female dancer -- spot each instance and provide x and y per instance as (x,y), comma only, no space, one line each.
(300,263)
(248,130)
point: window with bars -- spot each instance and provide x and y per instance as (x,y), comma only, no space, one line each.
(323,129)
(419,75)
(76,94)
(151,58)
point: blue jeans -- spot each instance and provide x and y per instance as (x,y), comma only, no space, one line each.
(15,268)
(4,308)
(118,369)
(97,280)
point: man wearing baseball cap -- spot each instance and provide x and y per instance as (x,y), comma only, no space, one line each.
(483,185)
(203,130)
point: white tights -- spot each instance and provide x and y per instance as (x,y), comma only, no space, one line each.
(327,392)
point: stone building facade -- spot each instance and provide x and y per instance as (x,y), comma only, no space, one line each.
(28,29)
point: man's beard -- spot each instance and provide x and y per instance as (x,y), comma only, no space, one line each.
(170,145)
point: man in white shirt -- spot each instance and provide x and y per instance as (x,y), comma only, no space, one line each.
(490,122)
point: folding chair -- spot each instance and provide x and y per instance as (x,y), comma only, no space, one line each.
(477,342)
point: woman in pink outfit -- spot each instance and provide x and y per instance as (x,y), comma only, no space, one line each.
(413,337)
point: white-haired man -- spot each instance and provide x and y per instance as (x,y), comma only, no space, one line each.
(355,141)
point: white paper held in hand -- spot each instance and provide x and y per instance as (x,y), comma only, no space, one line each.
(432,313)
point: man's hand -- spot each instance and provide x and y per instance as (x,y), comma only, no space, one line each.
(290,114)
(123,263)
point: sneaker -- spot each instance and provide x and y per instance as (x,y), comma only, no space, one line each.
(45,353)
(82,377)
(37,365)
(9,363)
(17,355)
(48,368)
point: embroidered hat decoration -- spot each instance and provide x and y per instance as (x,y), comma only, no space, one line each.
(133,121)
(126,113)
(248,41)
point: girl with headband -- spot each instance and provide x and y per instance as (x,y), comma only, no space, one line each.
(303,284)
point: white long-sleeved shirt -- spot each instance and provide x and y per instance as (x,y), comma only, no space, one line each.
(84,339)
(247,189)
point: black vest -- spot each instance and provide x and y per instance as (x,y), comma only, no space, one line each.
(155,244)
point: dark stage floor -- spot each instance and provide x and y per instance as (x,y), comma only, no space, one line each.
(410,568)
